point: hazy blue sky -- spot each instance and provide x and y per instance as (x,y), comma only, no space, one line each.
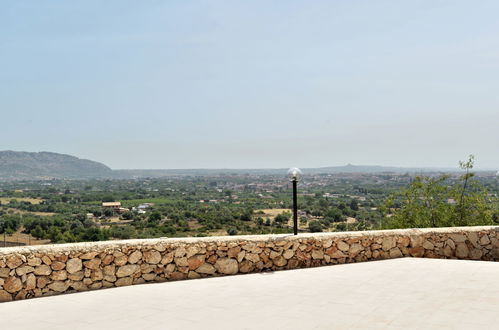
(191,84)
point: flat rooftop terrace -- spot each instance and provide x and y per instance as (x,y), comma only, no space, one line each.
(406,293)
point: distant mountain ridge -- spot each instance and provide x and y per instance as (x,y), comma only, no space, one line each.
(21,165)
(16,165)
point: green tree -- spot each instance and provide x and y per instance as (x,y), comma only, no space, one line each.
(38,232)
(315,226)
(127,215)
(247,215)
(473,206)
(232,231)
(108,212)
(155,216)
(441,202)
(282,218)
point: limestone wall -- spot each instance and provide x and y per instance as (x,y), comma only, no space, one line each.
(36,271)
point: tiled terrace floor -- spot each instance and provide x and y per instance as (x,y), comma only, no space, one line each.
(393,294)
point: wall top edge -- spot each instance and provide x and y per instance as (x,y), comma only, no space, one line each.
(117,244)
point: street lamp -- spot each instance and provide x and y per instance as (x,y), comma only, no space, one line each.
(294,175)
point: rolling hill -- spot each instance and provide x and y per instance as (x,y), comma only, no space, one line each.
(20,165)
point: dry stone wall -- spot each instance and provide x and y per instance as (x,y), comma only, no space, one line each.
(27,272)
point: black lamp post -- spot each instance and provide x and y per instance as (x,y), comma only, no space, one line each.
(294,175)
